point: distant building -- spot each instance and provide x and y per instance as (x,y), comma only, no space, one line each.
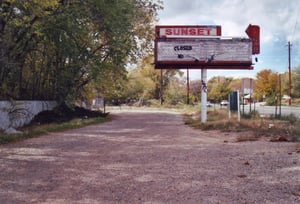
(246,91)
(97,103)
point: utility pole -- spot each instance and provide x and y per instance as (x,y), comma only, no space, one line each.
(280,96)
(161,87)
(250,94)
(290,84)
(188,88)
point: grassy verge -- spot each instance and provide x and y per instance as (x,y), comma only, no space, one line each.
(296,102)
(37,130)
(287,127)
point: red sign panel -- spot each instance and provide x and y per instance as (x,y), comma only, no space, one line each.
(253,31)
(186,31)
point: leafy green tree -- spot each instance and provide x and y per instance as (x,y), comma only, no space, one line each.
(170,76)
(296,82)
(140,85)
(55,49)
(175,92)
(20,24)
(144,82)
(195,90)
(219,88)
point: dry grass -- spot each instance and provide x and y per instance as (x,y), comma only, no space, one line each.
(37,130)
(254,128)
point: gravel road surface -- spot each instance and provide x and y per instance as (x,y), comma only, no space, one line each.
(148,158)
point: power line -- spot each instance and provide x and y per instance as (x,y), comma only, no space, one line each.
(296,23)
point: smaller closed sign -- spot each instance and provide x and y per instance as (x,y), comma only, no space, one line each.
(233,101)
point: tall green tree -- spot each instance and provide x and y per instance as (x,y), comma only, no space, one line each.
(195,91)
(55,49)
(218,88)
(145,82)
(20,23)
(296,82)
(176,91)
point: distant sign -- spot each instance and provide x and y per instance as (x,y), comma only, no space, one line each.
(233,101)
(204,52)
(187,31)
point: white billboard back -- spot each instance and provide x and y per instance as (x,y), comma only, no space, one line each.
(204,50)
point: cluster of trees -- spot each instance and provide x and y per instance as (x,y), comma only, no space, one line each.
(68,49)
(269,85)
(144,83)
(72,49)
(169,86)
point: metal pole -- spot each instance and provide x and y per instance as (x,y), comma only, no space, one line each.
(280,95)
(238,105)
(203,95)
(290,86)
(161,87)
(188,88)
(243,91)
(228,107)
(276,105)
(250,94)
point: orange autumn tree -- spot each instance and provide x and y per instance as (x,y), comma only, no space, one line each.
(267,86)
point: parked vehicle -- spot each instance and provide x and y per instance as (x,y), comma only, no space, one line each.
(208,104)
(224,103)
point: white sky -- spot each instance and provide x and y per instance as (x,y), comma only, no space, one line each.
(279,23)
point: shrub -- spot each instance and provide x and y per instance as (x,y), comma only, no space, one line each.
(251,114)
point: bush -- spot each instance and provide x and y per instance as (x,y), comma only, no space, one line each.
(271,100)
(252,125)
(296,133)
(251,115)
(291,118)
(64,113)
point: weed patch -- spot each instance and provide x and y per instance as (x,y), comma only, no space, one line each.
(59,119)
(37,130)
(252,125)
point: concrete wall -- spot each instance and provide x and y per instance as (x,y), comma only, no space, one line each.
(20,113)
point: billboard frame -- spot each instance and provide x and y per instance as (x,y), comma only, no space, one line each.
(204,62)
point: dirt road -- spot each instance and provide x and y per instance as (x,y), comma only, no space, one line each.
(148,158)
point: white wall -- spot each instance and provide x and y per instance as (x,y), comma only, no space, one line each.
(19,113)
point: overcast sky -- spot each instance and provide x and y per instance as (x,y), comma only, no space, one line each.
(278,20)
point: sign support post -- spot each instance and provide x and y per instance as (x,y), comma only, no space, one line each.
(203,95)
(238,106)
(188,87)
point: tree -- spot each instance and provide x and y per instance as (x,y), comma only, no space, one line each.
(20,23)
(218,88)
(169,76)
(296,80)
(55,49)
(195,90)
(267,86)
(175,92)
(140,87)
(144,80)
